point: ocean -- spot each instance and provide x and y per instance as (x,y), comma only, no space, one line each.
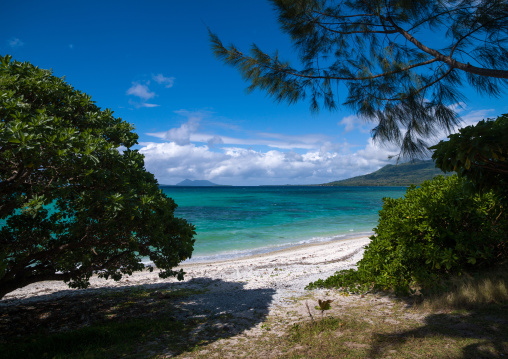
(232,222)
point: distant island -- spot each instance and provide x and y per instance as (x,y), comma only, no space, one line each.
(403,174)
(197,183)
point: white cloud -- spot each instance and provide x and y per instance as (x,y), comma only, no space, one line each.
(303,142)
(182,135)
(215,140)
(333,147)
(458,107)
(274,140)
(377,152)
(169,161)
(293,156)
(352,122)
(349,122)
(307,141)
(162,80)
(172,162)
(149,105)
(475,116)
(187,132)
(15,42)
(137,104)
(141,91)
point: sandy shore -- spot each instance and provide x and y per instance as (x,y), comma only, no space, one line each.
(285,273)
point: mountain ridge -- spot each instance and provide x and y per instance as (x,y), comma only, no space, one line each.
(403,174)
(197,183)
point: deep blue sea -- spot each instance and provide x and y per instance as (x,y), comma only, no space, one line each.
(237,221)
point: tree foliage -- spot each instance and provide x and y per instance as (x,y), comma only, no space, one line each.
(436,230)
(403,61)
(479,153)
(74,198)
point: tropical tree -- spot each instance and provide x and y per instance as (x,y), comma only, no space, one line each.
(479,153)
(75,199)
(404,62)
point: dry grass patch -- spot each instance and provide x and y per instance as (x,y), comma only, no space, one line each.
(471,291)
(373,326)
(470,321)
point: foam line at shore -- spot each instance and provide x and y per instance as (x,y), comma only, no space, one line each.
(232,255)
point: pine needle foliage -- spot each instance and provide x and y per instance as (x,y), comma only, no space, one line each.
(403,62)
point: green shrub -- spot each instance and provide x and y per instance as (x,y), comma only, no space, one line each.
(436,230)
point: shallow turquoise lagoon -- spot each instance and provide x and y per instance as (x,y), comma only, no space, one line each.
(236,221)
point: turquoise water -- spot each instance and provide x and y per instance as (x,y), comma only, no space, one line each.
(236,221)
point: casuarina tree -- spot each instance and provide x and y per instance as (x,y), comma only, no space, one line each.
(75,199)
(405,63)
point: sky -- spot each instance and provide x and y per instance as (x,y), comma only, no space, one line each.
(152,64)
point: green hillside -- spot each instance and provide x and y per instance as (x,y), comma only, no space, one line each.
(403,174)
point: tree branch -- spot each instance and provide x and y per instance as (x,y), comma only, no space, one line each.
(502,74)
(421,88)
(321,24)
(292,73)
(437,15)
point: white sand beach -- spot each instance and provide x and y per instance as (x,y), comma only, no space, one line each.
(285,272)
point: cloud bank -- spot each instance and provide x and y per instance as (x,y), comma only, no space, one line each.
(191,150)
(171,163)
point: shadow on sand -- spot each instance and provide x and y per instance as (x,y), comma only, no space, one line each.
(153,319)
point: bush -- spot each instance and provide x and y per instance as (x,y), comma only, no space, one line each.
(478,153)
(436,230)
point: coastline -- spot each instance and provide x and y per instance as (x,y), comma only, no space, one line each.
(286,271)
(286,251)
(266,251)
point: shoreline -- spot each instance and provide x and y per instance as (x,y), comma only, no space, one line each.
(275,252)
(285,272)
(249,253)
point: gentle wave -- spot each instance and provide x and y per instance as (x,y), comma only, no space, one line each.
(236,254)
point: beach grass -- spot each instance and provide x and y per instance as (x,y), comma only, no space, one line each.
(375,327)
(467,320)
(471,290)
(443,335)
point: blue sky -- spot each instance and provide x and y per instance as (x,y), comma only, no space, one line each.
(151,63)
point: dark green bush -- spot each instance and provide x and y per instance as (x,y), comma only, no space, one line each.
(433,231)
